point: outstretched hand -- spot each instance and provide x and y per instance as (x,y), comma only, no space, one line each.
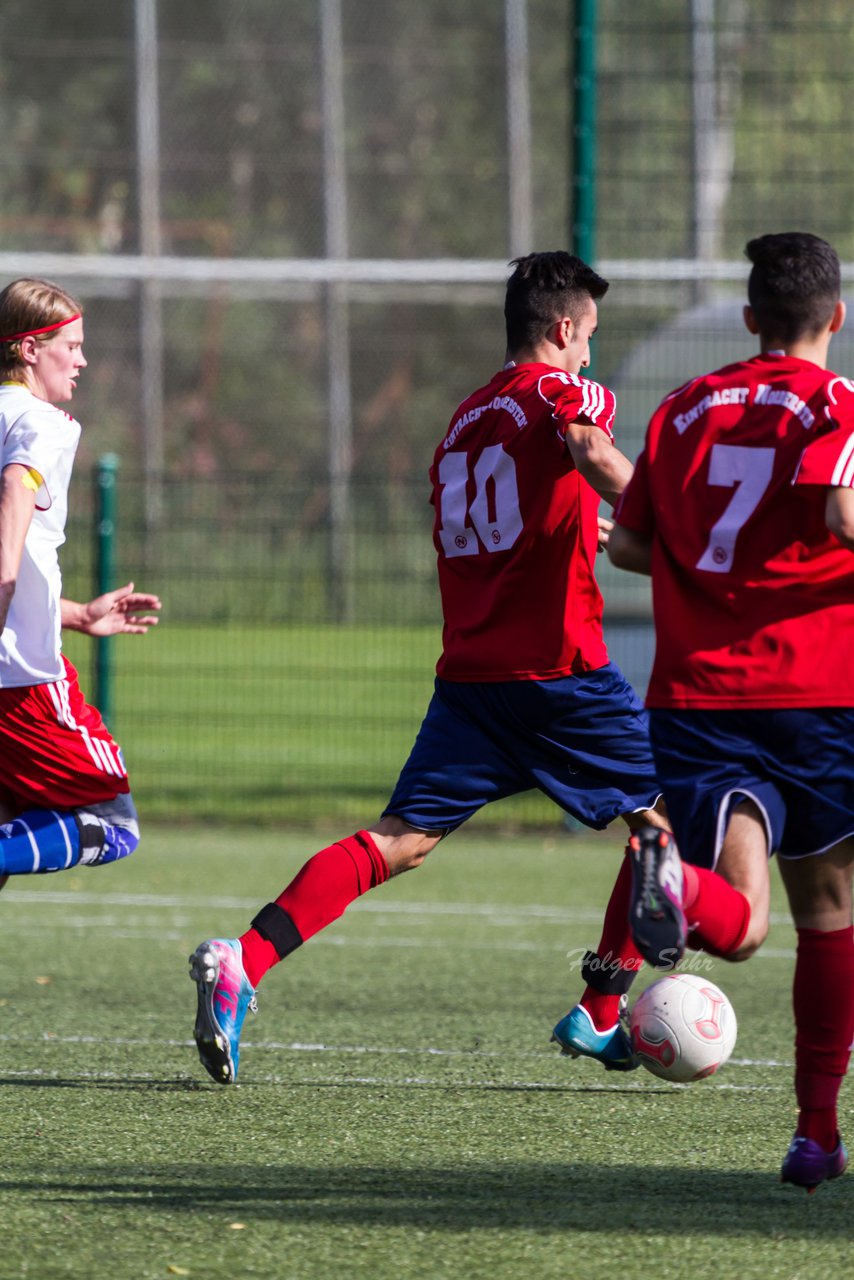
(117,613)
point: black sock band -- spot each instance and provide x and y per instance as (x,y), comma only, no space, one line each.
(274,924)
(606,975)
(90,828)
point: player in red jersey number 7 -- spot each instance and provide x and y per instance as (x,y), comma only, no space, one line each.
(525,695)
(741,508)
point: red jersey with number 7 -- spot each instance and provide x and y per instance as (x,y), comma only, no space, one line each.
(753,596)
(516,530)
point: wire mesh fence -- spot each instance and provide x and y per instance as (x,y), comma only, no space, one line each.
(250,701)
(289,224)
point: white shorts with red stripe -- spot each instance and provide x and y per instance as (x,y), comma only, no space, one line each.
(55,750)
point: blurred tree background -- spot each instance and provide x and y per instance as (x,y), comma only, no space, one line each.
(274,420)
(241,174)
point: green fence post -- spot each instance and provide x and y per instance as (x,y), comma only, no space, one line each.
(106,469)
(584,130)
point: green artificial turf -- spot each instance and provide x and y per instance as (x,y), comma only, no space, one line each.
(400,1112)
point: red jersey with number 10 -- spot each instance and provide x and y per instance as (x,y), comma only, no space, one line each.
(516,530)
(753,597)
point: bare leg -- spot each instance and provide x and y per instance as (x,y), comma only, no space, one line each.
(743,863)
(819,888)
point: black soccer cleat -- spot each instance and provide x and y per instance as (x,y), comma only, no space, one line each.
(656,917)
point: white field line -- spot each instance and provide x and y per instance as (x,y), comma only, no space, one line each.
(198,902)
(202,902)
(390,1082)
(382,1082)
(300,1046)
(368,943)
(110,928)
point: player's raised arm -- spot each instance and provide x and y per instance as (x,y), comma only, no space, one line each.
(630,543)
(17,503)
(598,460)
(839,515)
(114,613)
(630,550)
(829,462)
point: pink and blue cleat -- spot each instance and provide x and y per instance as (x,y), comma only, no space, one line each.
(807,1164)
(224,995)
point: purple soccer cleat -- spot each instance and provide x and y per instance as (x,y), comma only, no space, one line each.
(807,1164)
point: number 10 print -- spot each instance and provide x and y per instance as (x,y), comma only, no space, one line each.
(493,521)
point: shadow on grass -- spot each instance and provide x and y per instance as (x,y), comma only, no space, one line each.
(128,1084)
(188,1084)
(534,1195)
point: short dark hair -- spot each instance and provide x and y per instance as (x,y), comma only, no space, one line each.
(543,288)
(794,284)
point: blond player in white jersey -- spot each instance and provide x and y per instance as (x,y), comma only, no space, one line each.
(64,794)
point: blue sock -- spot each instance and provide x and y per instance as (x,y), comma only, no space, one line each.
(39,840)
(104,841)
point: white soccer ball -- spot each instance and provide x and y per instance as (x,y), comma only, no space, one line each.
(683,1027)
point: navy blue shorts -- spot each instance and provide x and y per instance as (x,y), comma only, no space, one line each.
(583,740)
(796,764)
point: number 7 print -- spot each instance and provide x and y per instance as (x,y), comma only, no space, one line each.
(749,471)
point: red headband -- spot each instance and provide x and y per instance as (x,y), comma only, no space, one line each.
(32,333)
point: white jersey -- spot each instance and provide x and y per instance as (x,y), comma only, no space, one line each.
(37,434)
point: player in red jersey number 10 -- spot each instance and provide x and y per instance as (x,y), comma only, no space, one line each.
(525,696)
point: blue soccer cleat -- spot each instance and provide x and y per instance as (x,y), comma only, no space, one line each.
(656,918)
(807,1164)
(224,995)
(578,1038)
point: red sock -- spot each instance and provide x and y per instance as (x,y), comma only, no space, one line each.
(718,914)
(318,894)
(616,949)
(823,1000)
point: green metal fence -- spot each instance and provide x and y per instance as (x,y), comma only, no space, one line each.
(290,232)
(248,701)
